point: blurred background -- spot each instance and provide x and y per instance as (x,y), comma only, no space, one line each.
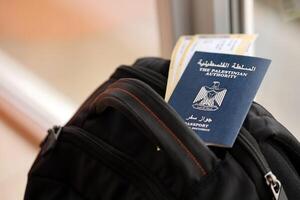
(53,54)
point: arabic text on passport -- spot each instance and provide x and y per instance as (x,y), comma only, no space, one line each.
(215,93)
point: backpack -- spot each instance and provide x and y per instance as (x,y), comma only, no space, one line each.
(125,142)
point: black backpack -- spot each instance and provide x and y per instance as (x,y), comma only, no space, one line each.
(125,142)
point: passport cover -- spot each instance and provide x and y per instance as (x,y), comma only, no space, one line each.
(215,93)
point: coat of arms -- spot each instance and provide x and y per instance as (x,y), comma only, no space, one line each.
(209,98)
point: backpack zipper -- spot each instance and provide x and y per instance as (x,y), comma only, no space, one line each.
(111,156)
(154,80)
(271,180)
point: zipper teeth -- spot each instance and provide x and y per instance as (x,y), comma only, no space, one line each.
(125,161)
(265,169)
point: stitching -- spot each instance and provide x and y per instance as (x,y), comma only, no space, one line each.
(166,128)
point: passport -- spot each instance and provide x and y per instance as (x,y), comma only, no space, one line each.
(215,92)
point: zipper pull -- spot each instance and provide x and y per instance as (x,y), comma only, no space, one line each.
(275,186)
(51,139)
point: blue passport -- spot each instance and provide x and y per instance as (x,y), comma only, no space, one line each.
(215,93)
